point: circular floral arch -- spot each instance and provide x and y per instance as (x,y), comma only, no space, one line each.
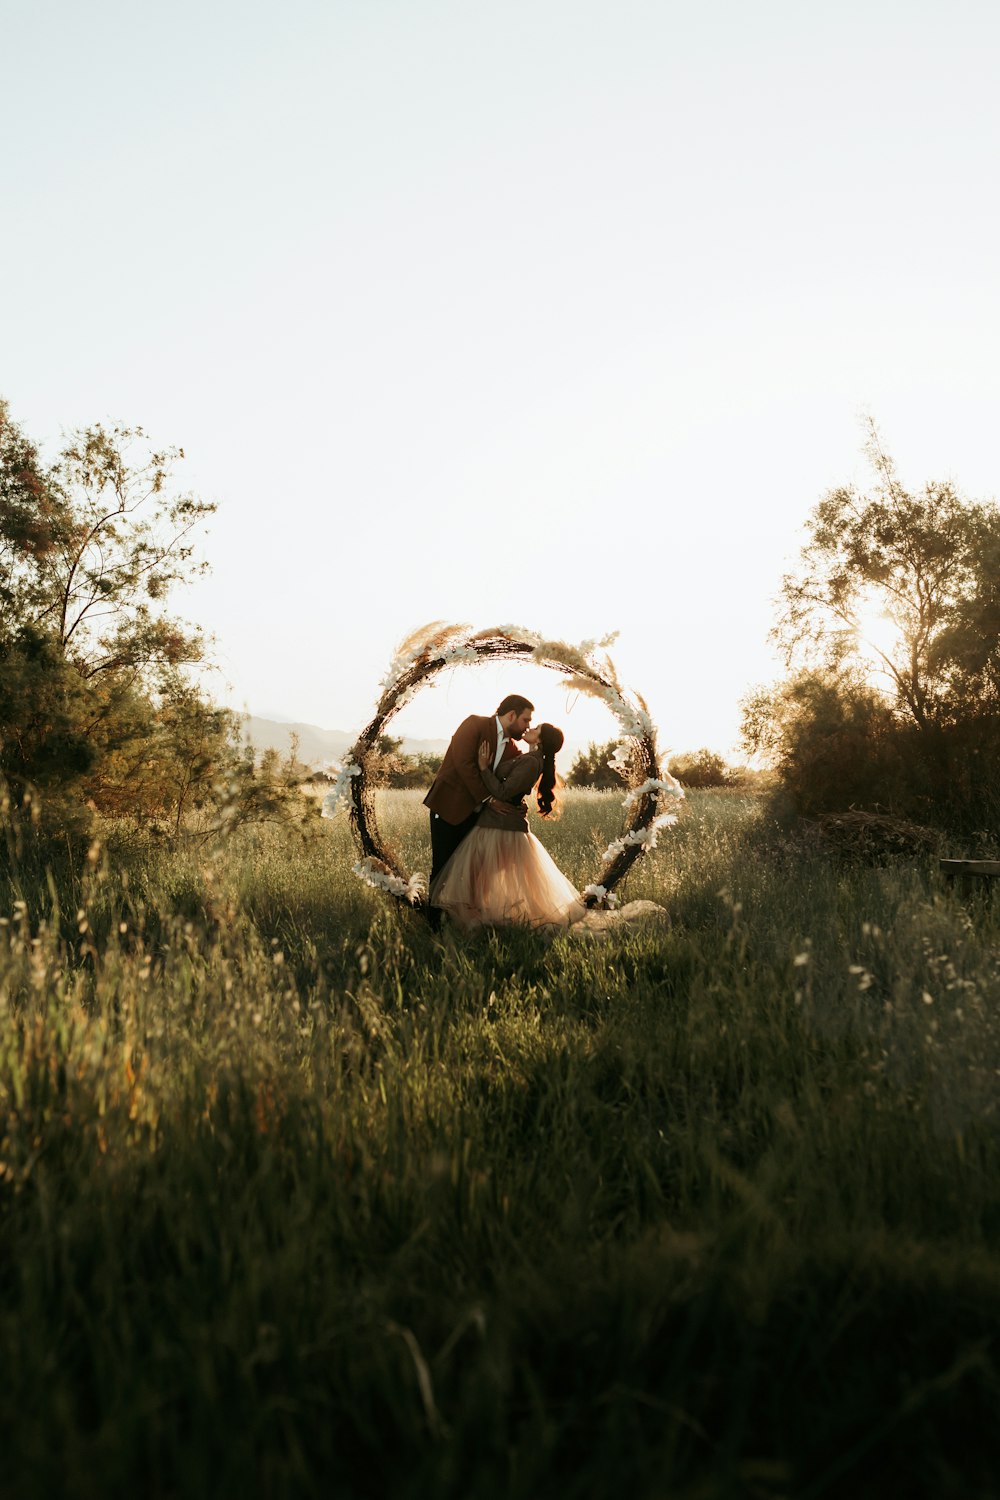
(586,668)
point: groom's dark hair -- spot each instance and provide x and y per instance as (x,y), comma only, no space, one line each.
(512,704)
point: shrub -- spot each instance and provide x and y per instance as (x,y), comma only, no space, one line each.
(700,768)
(838,744)
(592,767)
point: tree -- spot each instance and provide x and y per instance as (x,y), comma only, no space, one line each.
(97,712)
(45,749)
(391,767)
(912,725)
(386,761)
(835,742)
(926,562)
(967,650)
(700,768)
(414,771)
(90,546)
(593,767)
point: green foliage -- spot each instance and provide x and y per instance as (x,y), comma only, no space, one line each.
(912,726)
(388,766)
(45,748)
(591,768)
(967,650)
(694,768)
(92,544)
(835,742)
(700,768)
(415,770)
(926,562)
(296,1195)
(97,714)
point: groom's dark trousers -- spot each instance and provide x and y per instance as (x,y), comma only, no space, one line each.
(445,839)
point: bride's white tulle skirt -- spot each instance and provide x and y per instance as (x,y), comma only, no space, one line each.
(500,877)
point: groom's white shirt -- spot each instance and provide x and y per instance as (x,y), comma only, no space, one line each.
(501,741)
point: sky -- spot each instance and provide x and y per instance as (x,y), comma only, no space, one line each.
(555,312)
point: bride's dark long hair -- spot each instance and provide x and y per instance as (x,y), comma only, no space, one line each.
(550,739)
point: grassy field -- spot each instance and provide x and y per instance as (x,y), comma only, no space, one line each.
(297,1198)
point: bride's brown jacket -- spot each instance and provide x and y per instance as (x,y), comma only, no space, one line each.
(518,780)
(458,788)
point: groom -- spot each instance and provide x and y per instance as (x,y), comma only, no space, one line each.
(458,790)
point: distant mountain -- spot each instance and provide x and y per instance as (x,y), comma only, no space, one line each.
(316,746)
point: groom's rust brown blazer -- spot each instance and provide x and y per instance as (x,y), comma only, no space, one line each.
(458,788)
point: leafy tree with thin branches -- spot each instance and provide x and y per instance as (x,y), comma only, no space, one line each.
(925,561)
(912,724)
(98,709)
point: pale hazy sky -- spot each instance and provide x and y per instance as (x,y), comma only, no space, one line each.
(550,311)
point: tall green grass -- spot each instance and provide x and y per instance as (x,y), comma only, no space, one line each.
(299,1198)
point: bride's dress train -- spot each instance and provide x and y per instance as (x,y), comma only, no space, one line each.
(496,878)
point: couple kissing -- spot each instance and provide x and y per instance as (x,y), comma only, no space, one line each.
(487,866)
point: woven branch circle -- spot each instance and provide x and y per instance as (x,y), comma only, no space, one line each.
(585,668)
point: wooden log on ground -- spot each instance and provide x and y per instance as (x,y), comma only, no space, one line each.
(989,868)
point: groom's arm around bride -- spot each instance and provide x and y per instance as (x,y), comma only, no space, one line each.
(458,790)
